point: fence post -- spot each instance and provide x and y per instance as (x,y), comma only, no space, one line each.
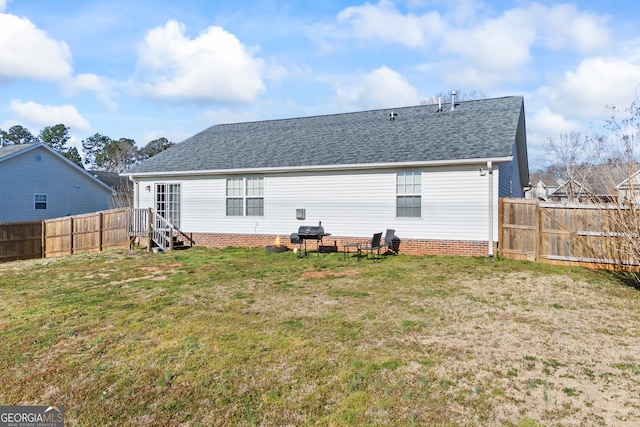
(71,235)
(537,215)
(500,230)
(100,231)
(43,244)
(149,228)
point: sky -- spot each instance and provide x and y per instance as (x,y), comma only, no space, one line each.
(147,69)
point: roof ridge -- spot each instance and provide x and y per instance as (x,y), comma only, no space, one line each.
(371,110)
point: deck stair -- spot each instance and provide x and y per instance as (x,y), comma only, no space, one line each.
(158,231)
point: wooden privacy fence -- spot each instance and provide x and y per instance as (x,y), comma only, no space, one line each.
(590,235)
(20,240)
(89,232)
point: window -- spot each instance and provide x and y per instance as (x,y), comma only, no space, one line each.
(409,194)
(234,196)
(40,201)
(245,196)
(168,202)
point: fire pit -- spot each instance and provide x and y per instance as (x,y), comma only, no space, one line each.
(277,247)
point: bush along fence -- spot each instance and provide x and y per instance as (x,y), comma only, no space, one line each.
(602,236)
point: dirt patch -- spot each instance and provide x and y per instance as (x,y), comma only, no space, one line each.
(550,354)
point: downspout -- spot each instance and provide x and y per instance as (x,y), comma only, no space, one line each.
(136,196)
(490,175)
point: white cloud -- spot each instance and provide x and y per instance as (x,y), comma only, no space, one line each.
(565,27)
(596,83)
(476,45)
(28,52)
(100,86)
(381,88)
(550,123)
(49,115)
(501,48)
(498,45)
(213,66)
(384,22)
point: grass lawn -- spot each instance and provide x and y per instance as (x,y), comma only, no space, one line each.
(241,337)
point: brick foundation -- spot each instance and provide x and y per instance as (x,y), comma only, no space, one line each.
(407,246)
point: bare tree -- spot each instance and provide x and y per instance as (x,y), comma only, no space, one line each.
(569,155)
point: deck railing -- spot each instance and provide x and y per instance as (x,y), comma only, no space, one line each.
(147,223)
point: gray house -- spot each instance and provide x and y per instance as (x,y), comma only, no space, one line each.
(38,183)
(432,174)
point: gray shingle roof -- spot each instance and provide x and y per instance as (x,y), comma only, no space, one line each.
(8,150)
(476,129)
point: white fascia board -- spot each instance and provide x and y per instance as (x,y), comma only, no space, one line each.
(322,168)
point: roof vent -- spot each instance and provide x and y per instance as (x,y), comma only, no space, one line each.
(392,115)
(439,104)
(453,99)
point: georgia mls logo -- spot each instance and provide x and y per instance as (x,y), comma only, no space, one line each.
(31,416)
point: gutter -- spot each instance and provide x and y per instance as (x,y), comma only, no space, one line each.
(490,237)
(321,168)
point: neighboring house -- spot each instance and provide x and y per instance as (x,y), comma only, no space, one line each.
(571,191)
(540,191)
(433,176)
(599,183)
(122,188)
(629,189)
(39,183)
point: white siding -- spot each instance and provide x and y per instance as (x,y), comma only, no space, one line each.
(455,204)
(69,191)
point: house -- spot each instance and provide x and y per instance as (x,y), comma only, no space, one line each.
(629,189)
(571,191)
(597,183)
(540,191)
(432,174)
(38,183)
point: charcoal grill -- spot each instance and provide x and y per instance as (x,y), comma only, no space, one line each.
(308,232)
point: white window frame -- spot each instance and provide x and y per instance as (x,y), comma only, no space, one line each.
(244,196)
(37,202)
(409,189)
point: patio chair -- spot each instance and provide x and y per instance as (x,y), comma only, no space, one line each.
(374,245)
(388,242)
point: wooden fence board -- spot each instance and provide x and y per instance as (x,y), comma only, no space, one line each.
(87,233)
(596,236)
(20,240)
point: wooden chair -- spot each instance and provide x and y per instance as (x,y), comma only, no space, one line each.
(374,245)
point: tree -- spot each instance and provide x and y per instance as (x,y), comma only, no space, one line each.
(569,154)
(56,137)
(156,146)
(19,135)
(73,155)
(93,146)
(118,155)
